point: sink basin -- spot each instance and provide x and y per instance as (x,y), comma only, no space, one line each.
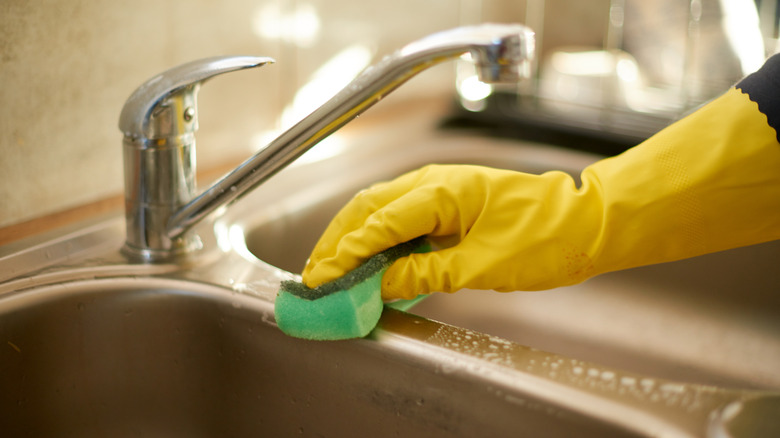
(712,320)
(166,358)
(127,357)
(170,358)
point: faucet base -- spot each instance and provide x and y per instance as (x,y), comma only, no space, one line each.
(182,248)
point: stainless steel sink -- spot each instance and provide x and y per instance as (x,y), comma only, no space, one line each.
(710,320)
(156,357)
(127,356)
(93,345)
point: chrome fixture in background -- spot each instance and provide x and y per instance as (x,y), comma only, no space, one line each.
(658,61)
(159,120)
(696,49)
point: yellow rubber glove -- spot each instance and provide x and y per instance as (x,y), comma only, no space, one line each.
(706,183)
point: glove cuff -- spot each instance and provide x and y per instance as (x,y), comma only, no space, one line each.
(763,88)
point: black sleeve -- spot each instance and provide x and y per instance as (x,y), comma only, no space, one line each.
(763,88)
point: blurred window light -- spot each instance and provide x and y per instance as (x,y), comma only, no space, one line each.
(596,63)
(334,75)
(627,70)
(741,24)
(472,89)
(330,146)
(331,77)
(300,26)
(586,63)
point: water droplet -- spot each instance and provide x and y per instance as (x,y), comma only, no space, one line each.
(673,387)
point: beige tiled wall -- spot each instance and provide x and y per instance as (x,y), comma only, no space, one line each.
(66,67)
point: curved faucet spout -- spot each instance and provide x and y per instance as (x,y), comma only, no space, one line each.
(160,118)
(502,53)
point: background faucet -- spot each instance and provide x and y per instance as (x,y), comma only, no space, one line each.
(160,118)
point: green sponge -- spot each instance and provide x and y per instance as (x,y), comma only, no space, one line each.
(348,307)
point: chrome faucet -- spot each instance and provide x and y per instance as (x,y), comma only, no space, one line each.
(160,118)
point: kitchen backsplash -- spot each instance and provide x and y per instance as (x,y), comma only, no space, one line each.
(67,66)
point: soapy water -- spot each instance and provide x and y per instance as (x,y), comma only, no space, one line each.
(497,351)
(594,378)
(672,394)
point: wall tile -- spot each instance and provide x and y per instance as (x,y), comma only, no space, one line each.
(67,66)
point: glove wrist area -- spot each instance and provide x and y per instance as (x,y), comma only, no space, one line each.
(707,183)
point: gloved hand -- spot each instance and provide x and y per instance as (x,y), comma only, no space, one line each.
(706,183)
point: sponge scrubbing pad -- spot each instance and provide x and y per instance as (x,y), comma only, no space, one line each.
(348,307)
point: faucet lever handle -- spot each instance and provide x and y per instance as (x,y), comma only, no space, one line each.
(159,121)
(142,115)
